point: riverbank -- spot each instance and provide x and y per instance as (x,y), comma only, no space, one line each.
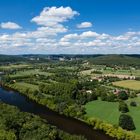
(65,123)
(22,126)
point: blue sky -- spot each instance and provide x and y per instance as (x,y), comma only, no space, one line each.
(69,26)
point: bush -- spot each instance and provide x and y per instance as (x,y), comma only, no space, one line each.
(123,95)
(123,107)
(126,122)
(111,97)
(132,95)
(133,103)
(103,96)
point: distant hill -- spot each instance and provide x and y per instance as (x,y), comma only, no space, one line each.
(95,59)
(116,60)
(11,58)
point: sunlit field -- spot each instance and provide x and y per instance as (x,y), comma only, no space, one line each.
(108,111)
(130,84)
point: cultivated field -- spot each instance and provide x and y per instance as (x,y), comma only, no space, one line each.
(131,84)
(29,72)
(109,70)
(14,66)
(24,86)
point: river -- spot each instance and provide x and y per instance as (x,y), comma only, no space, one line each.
(62,122)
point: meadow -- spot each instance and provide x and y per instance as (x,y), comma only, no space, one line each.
(14,66)
(108,111)
(30,72)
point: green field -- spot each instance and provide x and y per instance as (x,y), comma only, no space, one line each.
(109,70)
(87,72)
(14,66)
(24,86)
(30,72)
(108,111)
(122,72)
(131,84)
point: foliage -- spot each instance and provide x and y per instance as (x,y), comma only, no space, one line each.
(111,97)
(123,107)
(119,60)
(126,122)
(123,95)
(7,135)
(16,125)
(112,130)
(133,103)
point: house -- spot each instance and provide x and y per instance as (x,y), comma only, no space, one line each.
(89,91)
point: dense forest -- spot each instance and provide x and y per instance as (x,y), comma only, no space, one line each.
(16,125)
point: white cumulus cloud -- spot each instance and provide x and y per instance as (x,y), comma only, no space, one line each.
(10,25)
(84,25)
(51,16)
(51,20)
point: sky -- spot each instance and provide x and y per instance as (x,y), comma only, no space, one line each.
(69,27)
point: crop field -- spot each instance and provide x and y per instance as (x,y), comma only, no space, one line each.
(87,72)
(122,72)
(130,84)
(109,70)
(14,66)
(30,72)
(108,111)
(24,86)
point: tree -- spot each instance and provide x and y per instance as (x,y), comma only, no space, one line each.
(7,135)
(111,97)
(103,96)
(126,122)
(133,103)
(41,88)
(123,107)
(92,97)
(123,95)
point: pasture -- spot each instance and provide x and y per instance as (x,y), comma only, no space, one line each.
(108,111)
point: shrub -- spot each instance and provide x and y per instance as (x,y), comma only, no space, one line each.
(126,122)
(111,97)
(103,96)
(123,107)
(133,103)
(123,95)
